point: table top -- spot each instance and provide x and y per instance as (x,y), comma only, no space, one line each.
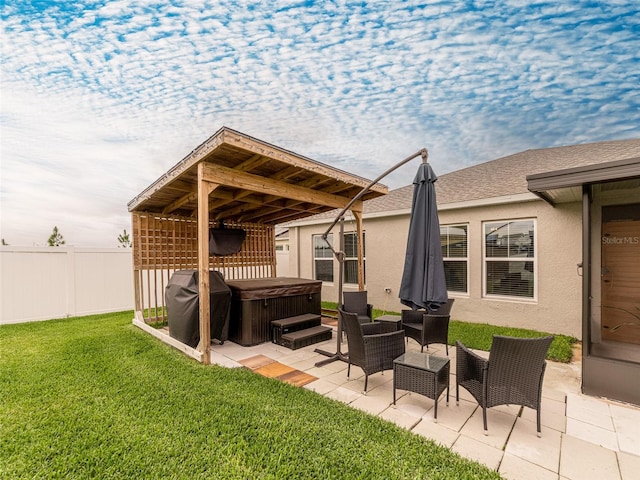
(423,361)
(389,318)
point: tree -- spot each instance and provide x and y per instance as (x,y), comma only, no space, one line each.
(124,239)
(56,239)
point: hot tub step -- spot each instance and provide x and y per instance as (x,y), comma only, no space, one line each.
(308,336)
(293,324)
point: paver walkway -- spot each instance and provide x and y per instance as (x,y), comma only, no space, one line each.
(582,437)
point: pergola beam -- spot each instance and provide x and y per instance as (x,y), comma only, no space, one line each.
(246,181)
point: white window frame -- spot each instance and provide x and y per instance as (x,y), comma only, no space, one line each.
(327,259)
(458,259)
(533,259)
(364,257)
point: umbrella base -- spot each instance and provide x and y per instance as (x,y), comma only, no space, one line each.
(332,357)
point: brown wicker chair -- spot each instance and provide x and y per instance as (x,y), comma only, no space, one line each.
(428,328)
(513,373)
(372,346)
(356,302)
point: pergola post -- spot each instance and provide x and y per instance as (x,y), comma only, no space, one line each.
(204,188)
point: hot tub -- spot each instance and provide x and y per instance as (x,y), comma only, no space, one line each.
(257,302)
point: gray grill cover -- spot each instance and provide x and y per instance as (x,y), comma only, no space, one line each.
(183,302)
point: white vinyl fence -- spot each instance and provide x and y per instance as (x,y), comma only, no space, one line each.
(282,264)
(40,283)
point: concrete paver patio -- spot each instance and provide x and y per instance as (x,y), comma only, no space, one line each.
(582,437)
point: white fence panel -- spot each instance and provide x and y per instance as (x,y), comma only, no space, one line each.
(282,264)
(39,283)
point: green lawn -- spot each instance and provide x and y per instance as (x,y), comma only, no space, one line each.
(95,397)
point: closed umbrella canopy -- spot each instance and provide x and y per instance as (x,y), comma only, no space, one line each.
(423,282)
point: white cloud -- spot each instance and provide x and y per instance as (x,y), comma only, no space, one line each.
(97,105)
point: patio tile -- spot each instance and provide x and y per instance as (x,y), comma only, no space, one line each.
(499,425)
(296,378)
(515,468)
(436,432)
(300,355)
(552,414)
(343,395)
(324,373)
(371,404)
(232,350)
(543,451)
(274,370)
(562,378)
(463,393)
(590,433)
(626,420)
(581,460)
(629,466)
(455,416)
(480,452)
(337,366)
(553,394)
(399,417)
(303,364)
(256,361)
(356,380)
(340,378)
(413,404)
(223,361)
(589,410)
(321,387)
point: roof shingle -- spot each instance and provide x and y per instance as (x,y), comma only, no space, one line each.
(503,176)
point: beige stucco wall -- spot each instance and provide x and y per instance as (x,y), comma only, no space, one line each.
(556,308)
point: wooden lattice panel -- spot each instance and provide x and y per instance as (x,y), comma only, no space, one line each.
(166,241)
(163,244)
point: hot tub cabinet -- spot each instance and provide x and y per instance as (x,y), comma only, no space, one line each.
(255,303)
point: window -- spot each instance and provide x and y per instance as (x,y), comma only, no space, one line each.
(323,258)
(509,258)
(351,257)
(453,239)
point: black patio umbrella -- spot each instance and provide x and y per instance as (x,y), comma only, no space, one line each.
(423,282)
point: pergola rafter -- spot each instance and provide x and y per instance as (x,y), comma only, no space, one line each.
(244,183)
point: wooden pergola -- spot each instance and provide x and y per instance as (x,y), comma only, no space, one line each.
(237,181)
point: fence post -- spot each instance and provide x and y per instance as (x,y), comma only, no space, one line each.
(71,281)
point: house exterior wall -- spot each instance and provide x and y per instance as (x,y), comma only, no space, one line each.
(556,307)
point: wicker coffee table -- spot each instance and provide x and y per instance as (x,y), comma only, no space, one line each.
(422,373)
(395,320)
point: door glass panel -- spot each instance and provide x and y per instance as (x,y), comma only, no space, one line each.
(620,276)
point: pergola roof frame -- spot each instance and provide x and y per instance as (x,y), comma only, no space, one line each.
(235,177)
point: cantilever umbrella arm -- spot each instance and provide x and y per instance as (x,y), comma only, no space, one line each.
(340,253)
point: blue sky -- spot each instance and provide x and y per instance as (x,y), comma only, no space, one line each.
(98,99)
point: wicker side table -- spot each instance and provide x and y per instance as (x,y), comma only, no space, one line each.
(395,320)
(422,373)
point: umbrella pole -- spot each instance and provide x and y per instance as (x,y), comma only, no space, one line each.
(338,355)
